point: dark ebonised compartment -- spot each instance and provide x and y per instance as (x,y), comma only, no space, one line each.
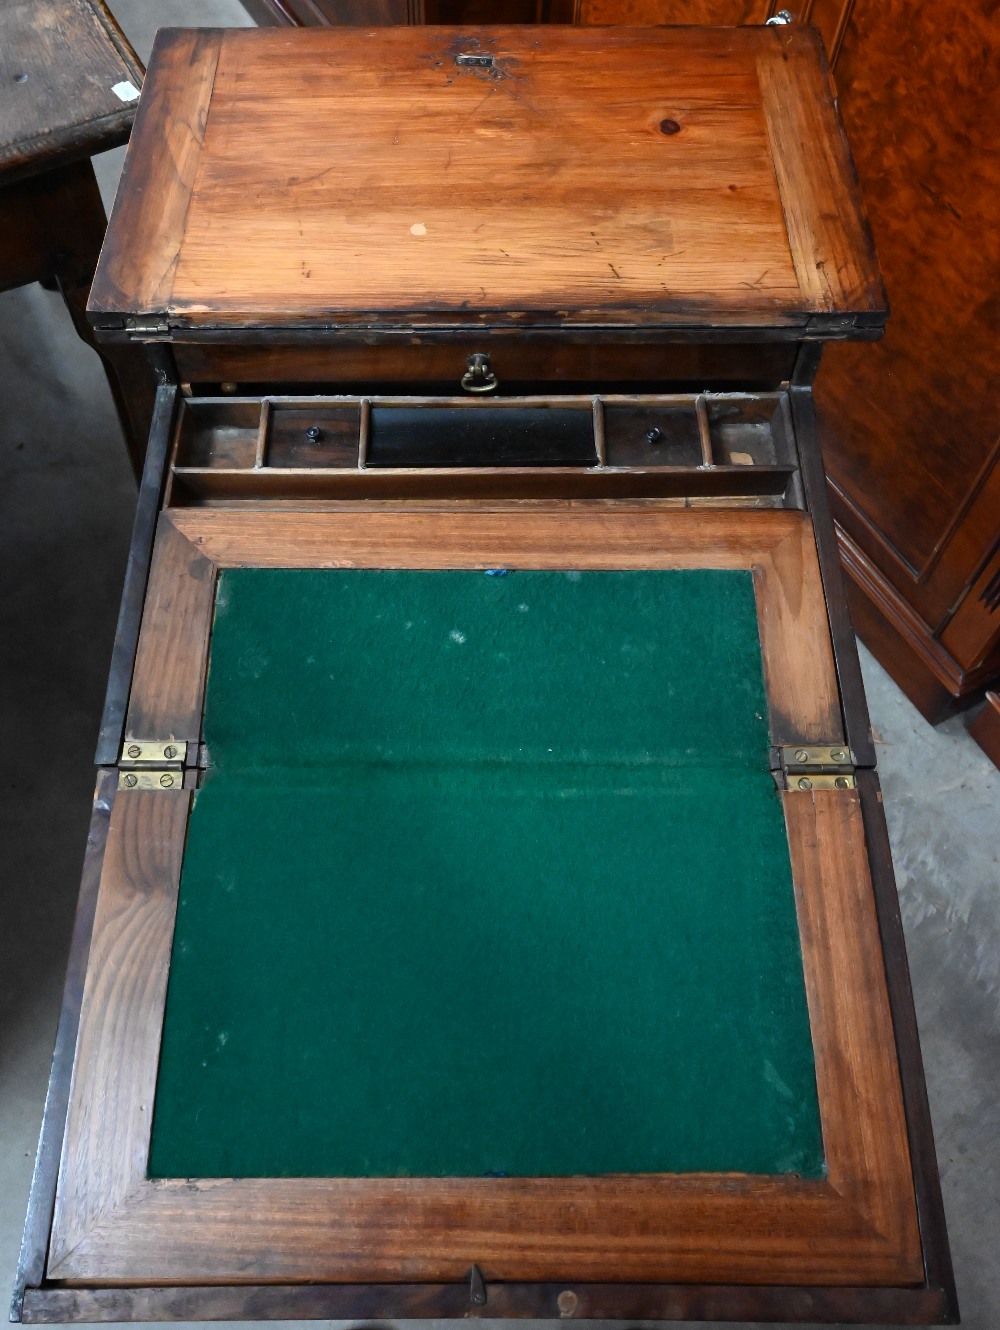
(481,436)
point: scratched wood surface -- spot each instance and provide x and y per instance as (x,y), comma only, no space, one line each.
(589,175)
(60,61)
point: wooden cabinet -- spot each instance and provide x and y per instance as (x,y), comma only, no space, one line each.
(910,435)
(909,427)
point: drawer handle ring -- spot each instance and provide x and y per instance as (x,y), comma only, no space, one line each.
(479,376)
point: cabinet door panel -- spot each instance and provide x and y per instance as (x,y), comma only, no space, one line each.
(909,426)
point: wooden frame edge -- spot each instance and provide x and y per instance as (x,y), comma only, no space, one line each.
(116,286)
(41,1198)
(190,546)
(938,1270)
(136,575)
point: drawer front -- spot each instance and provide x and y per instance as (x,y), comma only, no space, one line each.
(516,363)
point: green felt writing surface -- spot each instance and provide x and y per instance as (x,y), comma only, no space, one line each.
(488,876)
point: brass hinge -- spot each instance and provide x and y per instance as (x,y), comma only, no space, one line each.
(816,767)
(147,326)
(152,764)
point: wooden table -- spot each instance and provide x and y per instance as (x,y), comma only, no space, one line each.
(489,908)
(69,86)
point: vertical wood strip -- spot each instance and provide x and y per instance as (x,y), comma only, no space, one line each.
(169,677)
(263,430)
(828,236)
(31,1262)
(704,433)
(366,424)
(114,1078)
(838,38)
(797,653)
(861,1103)
(155,189)
(599,432)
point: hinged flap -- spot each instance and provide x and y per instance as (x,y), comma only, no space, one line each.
(536,176)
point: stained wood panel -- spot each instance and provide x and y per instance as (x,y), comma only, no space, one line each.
(470,191)
(127,972)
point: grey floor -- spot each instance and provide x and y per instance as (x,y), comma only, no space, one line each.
(65,512)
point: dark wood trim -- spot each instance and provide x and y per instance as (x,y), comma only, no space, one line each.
(271,13)
(118,39)
(845,649)
(431,363)
(46,152)
(555,1303)
(136,575)
(903,643)
(371,328)
(217,484)
(558,11)
(938,1273)
(41,1198)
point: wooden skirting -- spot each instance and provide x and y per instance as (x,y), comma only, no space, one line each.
(903,644)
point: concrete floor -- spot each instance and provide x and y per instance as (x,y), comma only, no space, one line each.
(67,496)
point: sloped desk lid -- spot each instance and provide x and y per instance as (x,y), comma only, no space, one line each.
(534,176)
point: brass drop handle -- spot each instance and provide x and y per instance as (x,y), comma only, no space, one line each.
(479,377)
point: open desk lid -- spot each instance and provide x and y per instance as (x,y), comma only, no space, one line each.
(663,178)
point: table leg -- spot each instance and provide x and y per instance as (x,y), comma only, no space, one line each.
(54,227)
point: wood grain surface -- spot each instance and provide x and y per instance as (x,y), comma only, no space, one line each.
(864,1127)
(857,1227)
(607,175)
(141,248)
(803,697)
(168,677)
(59,61)
(113,1079)
(38,1221)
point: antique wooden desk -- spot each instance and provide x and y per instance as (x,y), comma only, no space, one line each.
(488,908)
